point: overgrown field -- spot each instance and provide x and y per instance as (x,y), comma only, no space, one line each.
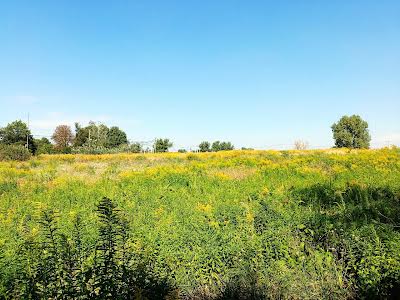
(227,225)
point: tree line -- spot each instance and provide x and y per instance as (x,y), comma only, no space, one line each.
(85,139)
(17,140)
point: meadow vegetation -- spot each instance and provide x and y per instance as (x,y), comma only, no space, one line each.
(315,224)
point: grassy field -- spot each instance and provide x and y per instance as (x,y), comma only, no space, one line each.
(321,224)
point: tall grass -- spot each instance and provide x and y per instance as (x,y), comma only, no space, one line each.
(233,225)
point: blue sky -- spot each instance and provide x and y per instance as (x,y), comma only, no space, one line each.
(258,73)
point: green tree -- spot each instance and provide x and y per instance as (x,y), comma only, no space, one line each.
(101,136)
(92,135)
(44,146)
(216,146)
(17,133)
(221,146)
(162,145)
(136,147)
(81,135)
(116,137)
(351,132)
(226,146)
(204,147)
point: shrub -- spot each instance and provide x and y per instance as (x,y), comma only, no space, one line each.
(134,148)
(14,152)
(58,266)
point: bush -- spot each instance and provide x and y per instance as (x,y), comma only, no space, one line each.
(14,152)
(133,148)
(58,266)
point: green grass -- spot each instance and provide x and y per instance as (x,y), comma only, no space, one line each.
(229,225)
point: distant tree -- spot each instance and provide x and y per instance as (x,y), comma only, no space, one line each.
(116,137)
(221,146)
(245,148)
(62,137)
(136,147)
(17,133)
(226,146)
(216,146)
(182,150)
(204,147)
(98,135)
(91,135)
(44,146)
(300,145)
(351,132)
(162,145)
(81,135)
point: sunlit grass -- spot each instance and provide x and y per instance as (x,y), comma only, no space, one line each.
(268,218)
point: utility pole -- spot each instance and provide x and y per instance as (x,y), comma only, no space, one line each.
(27,135)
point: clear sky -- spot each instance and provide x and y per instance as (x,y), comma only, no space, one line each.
(258,73)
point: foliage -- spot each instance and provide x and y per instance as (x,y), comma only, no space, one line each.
(14,152)
(44,146)
(116,137)
(162,145)
(59,266)
(204,147)
(221,146)
(133,148)
(99,136)
(136,147)
(63,138)
(92,135)
(351,132)
(81,135)
(182,150)
(17,133)
(317,224)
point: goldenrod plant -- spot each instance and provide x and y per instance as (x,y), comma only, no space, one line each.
(242,224)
